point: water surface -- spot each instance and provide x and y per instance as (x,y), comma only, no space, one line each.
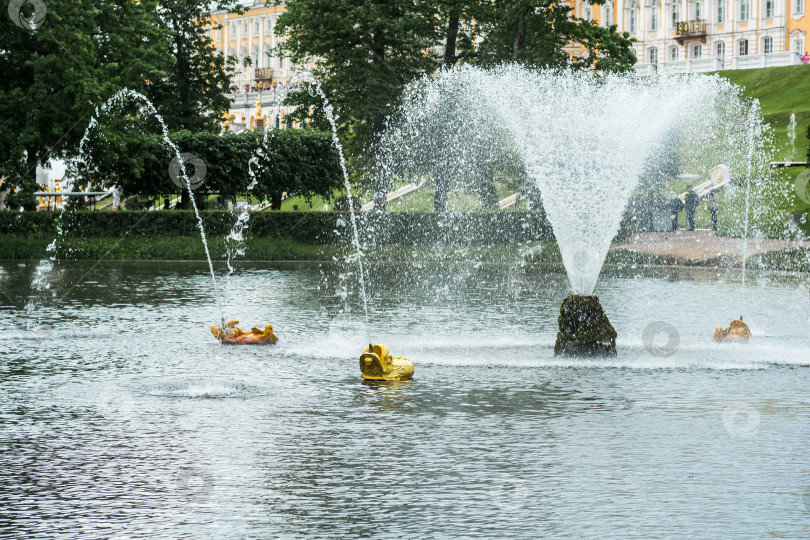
(120,415)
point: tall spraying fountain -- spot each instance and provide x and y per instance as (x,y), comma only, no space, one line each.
(791,132)
(583,142)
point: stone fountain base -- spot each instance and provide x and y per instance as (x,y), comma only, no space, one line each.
(584,328)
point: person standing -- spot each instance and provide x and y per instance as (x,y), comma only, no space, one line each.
(675,207)
(691,203)
(805,58)
(714,205)
(116,198)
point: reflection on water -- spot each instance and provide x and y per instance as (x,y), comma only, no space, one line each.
(124,417)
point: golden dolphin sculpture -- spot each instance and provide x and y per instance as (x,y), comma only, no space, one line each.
(737,332)
(233,335)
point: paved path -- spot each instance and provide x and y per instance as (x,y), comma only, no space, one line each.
(703,245)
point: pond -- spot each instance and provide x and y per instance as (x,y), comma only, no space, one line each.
(120,415)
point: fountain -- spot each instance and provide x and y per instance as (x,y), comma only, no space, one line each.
(383,360)
(791,133)
(583,142)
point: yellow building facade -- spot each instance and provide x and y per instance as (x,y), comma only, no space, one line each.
(707,35)
(671,35)
(250,40)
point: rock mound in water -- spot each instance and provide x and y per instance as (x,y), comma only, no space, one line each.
(584,328)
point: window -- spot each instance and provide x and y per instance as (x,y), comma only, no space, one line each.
(768,9)
(233,29)
(721,11)
(244,27)
(608,16)
(654,56)
(798,45)
(768,45)
(697,51)
(654,16)
(698,11)
(219,34)
(633,20)
(256,27)
(587,14)
(743,50)
(676,14)
(745,10)
(673,54)
(798,6)
(720,50)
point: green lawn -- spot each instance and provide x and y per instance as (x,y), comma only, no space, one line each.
(781,91)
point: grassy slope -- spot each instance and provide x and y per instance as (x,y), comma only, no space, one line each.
(781,91)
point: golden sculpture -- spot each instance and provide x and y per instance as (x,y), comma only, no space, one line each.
(231,334)
(377,364)
(258,106)
(737,332)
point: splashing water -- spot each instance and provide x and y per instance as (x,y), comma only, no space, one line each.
(304,76)
(42,280)
(792,135)
(582,141)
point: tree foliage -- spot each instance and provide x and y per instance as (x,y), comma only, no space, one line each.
(301,162)
(80,55)
(370,51)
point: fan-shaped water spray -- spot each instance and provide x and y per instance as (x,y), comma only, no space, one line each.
(581,140)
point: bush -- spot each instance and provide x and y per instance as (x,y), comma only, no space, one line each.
(407,228)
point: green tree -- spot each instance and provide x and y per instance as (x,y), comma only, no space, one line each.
(79,56)
(537,32)
(367,52)
(192,96)
(302,162)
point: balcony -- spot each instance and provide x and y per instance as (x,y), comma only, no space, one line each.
(690,30)
(263,74)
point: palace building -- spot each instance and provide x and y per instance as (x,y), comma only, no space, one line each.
(707,35)
(250,40)
(671,35)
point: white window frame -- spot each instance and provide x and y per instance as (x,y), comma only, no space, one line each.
(798,7)
(697,51)
(720,50)
(654,17)
(721,11)
(742,47)
(633,25)
(607,15)
(673,54)
(767,45)
(745,10)
(698,9)
(675,14)
(768,8)
(653,53)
